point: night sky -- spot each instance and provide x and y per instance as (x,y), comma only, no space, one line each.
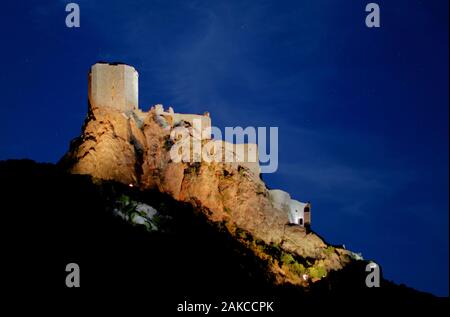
(362,113)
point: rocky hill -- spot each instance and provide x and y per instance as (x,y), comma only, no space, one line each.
(115,146)
(51,218)
(132,148)
(139,222)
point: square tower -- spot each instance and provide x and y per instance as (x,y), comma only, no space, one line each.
(114,86)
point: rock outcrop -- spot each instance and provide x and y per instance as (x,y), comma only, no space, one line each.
(133,147)
(115,145)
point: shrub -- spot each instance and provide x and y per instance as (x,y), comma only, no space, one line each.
(293,266)
(297,268)
(317,272)
(242,234)
(124,199)
(273,249)
(329,250)
(286,258)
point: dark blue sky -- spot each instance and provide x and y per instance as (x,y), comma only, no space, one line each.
(362,113)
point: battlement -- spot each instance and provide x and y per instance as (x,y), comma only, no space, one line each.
(173,119)
(113,85)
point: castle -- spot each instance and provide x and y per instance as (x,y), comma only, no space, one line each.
(116,85)
(113,85)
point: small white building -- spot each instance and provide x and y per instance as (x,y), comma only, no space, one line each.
(298,213)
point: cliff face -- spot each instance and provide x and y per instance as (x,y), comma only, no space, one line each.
(133,148)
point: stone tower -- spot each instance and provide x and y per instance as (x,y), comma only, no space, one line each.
(114,86)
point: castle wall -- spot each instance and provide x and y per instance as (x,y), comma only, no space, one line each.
(204,121)
(236,154)
(247,152)
(113,86)
(172,119)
